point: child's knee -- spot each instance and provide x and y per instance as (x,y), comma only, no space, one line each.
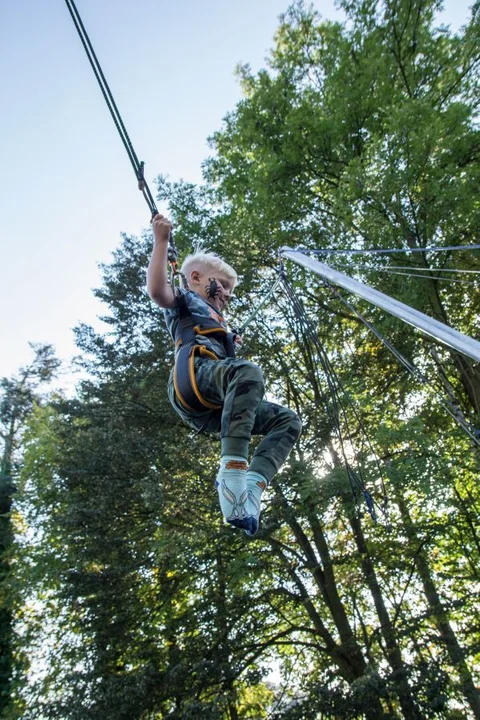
(251,372)
(295,428)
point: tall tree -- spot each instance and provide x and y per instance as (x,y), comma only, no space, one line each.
(17,397)
(363,135)
(366,135)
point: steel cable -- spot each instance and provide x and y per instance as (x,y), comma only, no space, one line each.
(138,167)
(336,409)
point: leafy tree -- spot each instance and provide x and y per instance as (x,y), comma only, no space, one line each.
(365,135)
(17,397)
(360,135)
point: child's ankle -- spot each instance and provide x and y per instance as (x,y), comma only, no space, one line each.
(256,479)
(256,484)
(231,483)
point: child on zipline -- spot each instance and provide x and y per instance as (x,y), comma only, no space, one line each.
(210,389)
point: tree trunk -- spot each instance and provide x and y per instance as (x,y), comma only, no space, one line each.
(6,495)
(409,708)
(324,578)
(347,655)
(440,616)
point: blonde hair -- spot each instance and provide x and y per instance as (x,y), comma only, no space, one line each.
(207,261)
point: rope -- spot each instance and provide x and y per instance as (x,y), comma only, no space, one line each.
(420,275)
(138,167)
(373,251)
(335,408)
(448,406)
(260,305)
(423,269)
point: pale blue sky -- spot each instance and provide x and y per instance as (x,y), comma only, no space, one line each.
(67,189)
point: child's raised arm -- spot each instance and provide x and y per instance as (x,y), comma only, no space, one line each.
(158,286)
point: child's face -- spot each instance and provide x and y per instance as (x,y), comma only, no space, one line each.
(200,281)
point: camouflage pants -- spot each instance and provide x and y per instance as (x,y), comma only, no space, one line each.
(239,386)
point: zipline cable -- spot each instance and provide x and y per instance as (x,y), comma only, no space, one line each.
(423,269)
(419,275)
(138,167)
(448,406)
(373,251)
(260,305)
(438,330)
(103,84)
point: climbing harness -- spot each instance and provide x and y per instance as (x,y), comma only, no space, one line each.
(188,348)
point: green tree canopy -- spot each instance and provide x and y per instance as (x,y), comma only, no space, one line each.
(136,599)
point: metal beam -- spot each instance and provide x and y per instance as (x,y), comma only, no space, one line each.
(438,330)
